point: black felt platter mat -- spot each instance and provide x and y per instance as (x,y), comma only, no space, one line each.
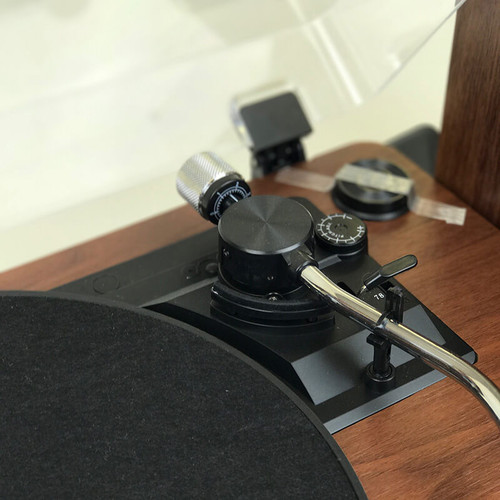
(100,400)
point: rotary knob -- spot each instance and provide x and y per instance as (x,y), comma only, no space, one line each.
(342,233)
(210,185)
(256,238)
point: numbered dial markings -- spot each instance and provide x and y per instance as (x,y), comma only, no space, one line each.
(343,233)
(227,196)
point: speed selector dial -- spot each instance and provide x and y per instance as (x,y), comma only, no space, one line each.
(210,185)
(342,233)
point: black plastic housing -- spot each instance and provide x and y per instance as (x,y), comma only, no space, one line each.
(321,356)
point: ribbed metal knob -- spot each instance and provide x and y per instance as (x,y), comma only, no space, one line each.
(209,184)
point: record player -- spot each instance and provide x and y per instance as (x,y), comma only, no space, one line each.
(106,285)
(171,360)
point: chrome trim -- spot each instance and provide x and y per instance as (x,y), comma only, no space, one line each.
(198,173)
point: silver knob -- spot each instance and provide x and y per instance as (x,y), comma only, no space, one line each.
(210,185)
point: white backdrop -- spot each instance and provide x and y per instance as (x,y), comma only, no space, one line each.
(101,101)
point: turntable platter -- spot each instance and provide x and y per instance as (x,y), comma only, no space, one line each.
(106,400)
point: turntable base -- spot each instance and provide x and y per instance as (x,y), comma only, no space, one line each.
(437,443)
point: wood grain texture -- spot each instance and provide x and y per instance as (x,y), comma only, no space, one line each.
(468,159)
(439,443)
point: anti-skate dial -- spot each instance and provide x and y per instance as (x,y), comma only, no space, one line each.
(342,233)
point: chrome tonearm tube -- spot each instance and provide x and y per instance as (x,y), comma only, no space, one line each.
(403,337)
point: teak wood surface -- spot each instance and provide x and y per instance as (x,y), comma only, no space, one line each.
(439,443)
(468,160)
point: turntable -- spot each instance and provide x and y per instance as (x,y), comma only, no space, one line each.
(399,433)
(147,371)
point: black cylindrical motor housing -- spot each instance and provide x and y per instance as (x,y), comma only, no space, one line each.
(255,237)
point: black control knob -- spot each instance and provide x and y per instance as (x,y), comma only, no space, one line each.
(210,185)
(342,233)
(255,237)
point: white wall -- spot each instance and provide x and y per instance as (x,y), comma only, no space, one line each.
(58,191)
